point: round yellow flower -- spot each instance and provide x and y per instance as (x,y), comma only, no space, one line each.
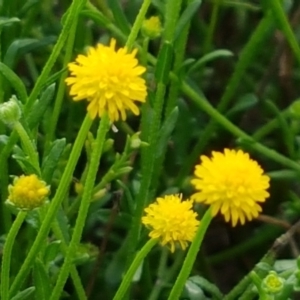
(27,192)
(171,220)
(231,183)
(110,80)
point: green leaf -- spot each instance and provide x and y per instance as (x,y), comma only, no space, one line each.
(164,61)
(8,21)
(186,16)
(244,103)
(166,131)
(51,252)
(3,139)
(39,107)
(209,57)
(22,46)
(14,81)
(53,78)
(96,17)
(41,281)
(206,286)
(129,202)
(51,160)
(25,294)
(119,16)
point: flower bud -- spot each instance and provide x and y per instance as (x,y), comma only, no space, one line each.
(273,284)
(136,142)
(151,27)
(10,111)
(27,192)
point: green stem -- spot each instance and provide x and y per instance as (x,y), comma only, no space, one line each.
(147,169)
(240,288)
(191,256)
(74,274)
(167,277)
(28,147)
(84,206)
(55,203)
(137,24)
(212,26)
(6,258)
(70,18)
(132,269)
(277,9)
(62,86)
(219,118)
(247,56)
(152,129)
(171,18)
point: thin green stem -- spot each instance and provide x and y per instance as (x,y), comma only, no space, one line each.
(167,277)
(137,24)
(104,8)
(74,274)
(55,203)
(147,169)
(191,256)
(245,283)
(28,147)
(212,26)
(247,56)
(277,10)
(84,206)
(71,17)
(132,269)
(219,118)
(6,257)
(62,86)
(152,129)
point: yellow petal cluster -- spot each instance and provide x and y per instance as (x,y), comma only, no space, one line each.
(231,183)
(171,220)
(27,192)
(110,80)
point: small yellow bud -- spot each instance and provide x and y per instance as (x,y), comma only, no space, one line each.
(273,284)
(10,111)
(151,27)
(27,192)
(78,188)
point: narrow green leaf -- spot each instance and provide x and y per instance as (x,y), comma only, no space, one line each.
(96,17)
(51,252)
(186,16)
(119,16)
(22,46)
(40,106)
(7,21)
(166,131)
(129,202)
(14,81)
(51,161)
(164,61)
(25,294)
(245,102)
(206,286)
(41,281)
(220,53)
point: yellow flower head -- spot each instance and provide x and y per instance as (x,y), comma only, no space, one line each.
(171,221)
(231,183)
(27,192)
(110,80)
